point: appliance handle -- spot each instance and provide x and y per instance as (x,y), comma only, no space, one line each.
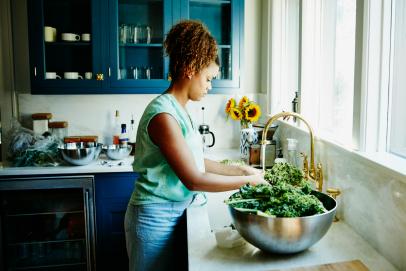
(214,139)
(87,223)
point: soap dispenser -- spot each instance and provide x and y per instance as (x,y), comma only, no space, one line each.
(292,151)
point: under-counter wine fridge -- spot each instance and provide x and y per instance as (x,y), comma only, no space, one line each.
(47,223)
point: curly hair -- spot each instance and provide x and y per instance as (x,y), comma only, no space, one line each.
(190,48)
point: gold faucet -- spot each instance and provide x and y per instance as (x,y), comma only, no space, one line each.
(315,174)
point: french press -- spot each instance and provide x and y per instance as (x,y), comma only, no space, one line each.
(204,130)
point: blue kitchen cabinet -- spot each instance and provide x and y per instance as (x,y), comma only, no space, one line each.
(126,49)
(52,54)
(225,20)
(113,191)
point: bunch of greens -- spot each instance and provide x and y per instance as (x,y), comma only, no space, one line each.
(288,195)
(29,149)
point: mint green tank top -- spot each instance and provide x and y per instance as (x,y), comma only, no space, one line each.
(157,181)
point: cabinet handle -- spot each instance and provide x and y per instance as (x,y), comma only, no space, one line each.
(99,77)
(109,72)
(35,71)
(87,223)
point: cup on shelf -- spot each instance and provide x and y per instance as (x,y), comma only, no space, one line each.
(52,75)
(70,37)
(86,37)
(72,75)
(49,34)
(88,75)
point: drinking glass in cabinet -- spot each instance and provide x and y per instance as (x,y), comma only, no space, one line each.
(137,34)
(123,73)
(146,34)
(124,33)
(130,33)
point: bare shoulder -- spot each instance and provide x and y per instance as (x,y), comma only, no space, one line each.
(162,128)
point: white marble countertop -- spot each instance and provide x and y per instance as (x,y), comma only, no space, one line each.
(102,165)
(340,243)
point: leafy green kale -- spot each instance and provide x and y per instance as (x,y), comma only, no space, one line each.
(289,195)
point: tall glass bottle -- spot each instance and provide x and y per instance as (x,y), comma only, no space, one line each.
(116,128)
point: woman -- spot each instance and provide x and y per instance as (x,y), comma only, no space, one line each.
(170,158)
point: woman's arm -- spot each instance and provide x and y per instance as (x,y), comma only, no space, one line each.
(166,134)
(230,170)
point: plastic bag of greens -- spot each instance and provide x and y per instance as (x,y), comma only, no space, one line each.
(29,149)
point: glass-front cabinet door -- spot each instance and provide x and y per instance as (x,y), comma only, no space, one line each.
(224,20)
(137,31)
(47,224)
(64,46)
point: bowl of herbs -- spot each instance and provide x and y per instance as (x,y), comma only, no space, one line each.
(284,217)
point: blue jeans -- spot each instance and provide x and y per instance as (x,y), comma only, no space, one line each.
(156,236)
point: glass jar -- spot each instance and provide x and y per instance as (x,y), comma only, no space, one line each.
(59,129)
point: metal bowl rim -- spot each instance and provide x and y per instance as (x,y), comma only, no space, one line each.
(98,145)
(115,147)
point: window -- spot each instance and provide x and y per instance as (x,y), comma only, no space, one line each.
(312,51)
(349,70)
(397,87)
(327,68)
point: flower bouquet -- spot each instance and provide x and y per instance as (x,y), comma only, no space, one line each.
(246,112)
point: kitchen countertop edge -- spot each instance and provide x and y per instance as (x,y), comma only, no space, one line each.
(109,166)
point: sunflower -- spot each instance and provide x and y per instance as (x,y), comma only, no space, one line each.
(230,105)
(244,100)
(235,114)
(252,112)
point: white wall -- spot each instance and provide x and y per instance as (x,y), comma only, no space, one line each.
(94,114)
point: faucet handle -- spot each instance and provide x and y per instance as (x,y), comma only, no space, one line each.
(319,177)
(305,165)
(334,193)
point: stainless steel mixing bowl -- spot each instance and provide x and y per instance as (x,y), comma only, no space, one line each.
(117,152)
(285,235)
(80,154)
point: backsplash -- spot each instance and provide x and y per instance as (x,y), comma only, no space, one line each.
(94,114)
(373,198)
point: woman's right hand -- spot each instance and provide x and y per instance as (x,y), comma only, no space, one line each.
(258,179)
